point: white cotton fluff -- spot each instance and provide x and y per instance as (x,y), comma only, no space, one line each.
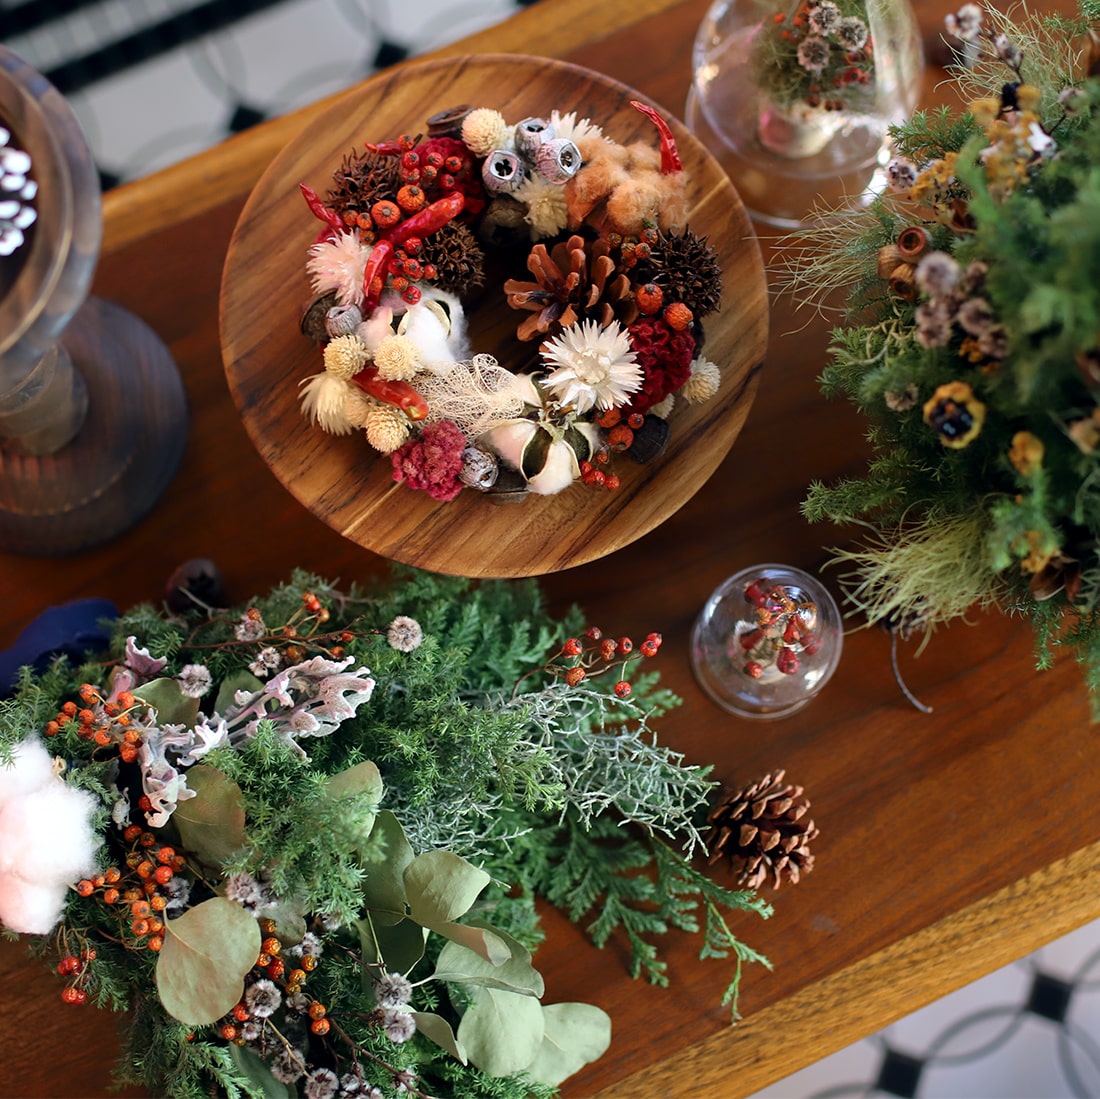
(46,841)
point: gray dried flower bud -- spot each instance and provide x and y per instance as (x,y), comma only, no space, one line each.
(966,23)
(1007,50)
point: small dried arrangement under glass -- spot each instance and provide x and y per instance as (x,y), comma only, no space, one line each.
(609,282)
(17,192)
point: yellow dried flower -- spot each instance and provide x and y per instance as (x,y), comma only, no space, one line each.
(397,358)
(386,425)
(345,356)
(703,382)
(985,111)
(955,413)
(1026,453)
(484,130)
(1034,552)
(1028,97)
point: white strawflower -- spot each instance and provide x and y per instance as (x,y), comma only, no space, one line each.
(323,398)
(547,213)
(593,367)
(345,356)
(338,264)
(484,130)
(46,840)
(703,383)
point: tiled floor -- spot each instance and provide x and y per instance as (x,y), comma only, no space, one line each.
(156,80)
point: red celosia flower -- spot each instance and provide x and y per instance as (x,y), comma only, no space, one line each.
(665,356)
(433,461)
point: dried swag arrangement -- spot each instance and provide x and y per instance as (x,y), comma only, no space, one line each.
(973,346)
(299,842)
(611,302)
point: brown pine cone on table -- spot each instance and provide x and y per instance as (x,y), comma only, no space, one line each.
(764,831)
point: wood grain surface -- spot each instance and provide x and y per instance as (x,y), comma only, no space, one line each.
(949,843)
(347,484)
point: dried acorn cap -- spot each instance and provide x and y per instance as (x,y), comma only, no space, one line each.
(448,123)
(649,440)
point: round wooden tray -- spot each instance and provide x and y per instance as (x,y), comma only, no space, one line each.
(347,484)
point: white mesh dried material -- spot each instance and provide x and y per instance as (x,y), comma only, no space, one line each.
(476,394)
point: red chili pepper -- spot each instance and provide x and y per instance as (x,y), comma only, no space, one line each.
(320,210)
(396,393)
(380,255)
(385,148)
(429,219)
(670,158)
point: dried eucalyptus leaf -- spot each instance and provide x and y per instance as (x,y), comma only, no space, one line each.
(361,781)
(575,1035)
(254,1069)
(172,705)
(502,1032)
(207,952)
(441,886)
(211,824)
(386,858)
(459,964)
(241,681)
(438,1030)
(397,947)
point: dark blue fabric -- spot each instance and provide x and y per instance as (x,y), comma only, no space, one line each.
(72,629)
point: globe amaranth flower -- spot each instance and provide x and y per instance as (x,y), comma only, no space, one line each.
(955,414)
(592,367)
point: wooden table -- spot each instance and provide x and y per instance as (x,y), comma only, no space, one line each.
(950,844)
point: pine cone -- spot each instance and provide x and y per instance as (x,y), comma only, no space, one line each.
(764,829)
(573,281)
(362,180)
(457,258)
(686,268)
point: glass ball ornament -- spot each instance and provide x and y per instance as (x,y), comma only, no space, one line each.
(795,99)
(766,642)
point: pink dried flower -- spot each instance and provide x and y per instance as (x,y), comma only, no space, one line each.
(433,461)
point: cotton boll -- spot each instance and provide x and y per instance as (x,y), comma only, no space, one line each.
(33,767)
(508,440)
(30,908)
(46,835)
(423,326)
(560,471)
(376,327)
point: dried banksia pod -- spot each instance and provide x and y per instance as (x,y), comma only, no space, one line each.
(573,281)
(458,260)
(362,180)
(764,831)
(687,270)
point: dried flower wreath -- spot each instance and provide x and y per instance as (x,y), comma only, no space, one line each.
(616,289)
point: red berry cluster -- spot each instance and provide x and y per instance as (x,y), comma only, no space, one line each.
(271,965)
(595,654)
(99,720)
(76,968)
(782,632)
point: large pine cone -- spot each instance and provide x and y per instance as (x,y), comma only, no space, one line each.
(575,280)
(764,830)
